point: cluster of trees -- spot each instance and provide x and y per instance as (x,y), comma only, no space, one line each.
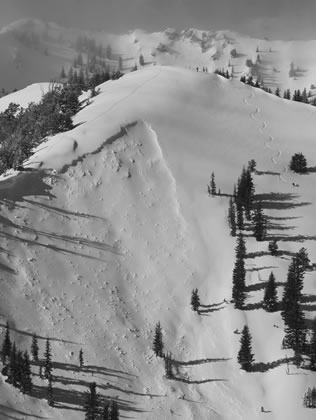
(158,348)
(224,73)
(309,399)
(23,129)
(292,313)
(16,363)
(95,410)
(298,163)
(242,205)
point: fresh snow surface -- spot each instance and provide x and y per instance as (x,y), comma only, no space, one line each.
(24,97)
(189,48)
(113,229)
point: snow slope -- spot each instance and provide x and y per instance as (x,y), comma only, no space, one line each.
(113,229)
(23,64)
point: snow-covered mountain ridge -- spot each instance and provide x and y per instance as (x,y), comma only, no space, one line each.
(113,228)
(34,51)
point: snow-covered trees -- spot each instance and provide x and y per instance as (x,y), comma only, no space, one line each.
(157,342)
(245,356)
(298,163)
(270,299)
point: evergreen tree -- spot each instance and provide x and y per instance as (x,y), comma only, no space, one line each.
(312,352)
(168,366)
(50,392)
(195,300)
(81,358)
(34,348)
(240,247)
(48,365)
(240,215)
(13,371)
(259,223)
(63,73)
(245,191)
(91,406)
(213,185)
(252,165)
(298,163)
(270,299)
(6,345)
(106,412)
(239,287)
(141,60)
(114,410)
(158,343)
(245,356)
(277,92)
(232,217)
(273,247)
(295,332)
(26,383)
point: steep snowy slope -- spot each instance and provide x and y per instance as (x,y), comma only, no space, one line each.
(113,229)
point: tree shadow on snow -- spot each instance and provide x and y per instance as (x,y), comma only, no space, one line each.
(200,361)
(264,367)
(5,410)
(202,381)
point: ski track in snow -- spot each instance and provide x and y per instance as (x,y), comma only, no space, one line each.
(275,158)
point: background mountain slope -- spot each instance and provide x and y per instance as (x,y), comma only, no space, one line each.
(34,51)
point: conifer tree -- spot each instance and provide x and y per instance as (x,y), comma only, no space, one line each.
(158,343)
(245,356)
(259,223)
(141,60)
(195,300)
(26,382)
(50,392)
(48,365)
(168,366)
(232,217)
(239,288)
(273,247)
(295,330)
(240,247)
(34,348)
(213,185)
(6,345)
(91,406)
(106,412)
(81,358)
(240,215)
(312,352)
(298,163)
(13,371)
(270,299)
(114,410)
